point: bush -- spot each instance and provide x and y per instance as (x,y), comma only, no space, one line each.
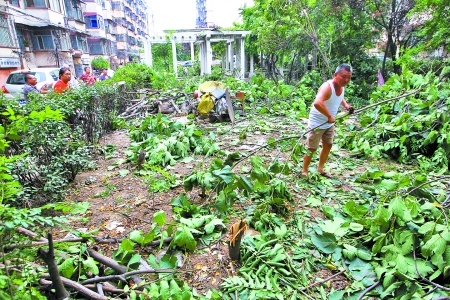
(100,63)
(137,76)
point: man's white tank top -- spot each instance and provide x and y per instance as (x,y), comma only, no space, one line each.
(316,118)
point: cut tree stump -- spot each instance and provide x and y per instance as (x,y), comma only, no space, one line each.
(237,230)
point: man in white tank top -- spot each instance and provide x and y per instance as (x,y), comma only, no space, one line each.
(323,112)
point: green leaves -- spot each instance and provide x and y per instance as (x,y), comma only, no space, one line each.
(183,238)
(325,243)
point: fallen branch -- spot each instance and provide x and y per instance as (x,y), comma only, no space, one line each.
(309,130)
(98,240)
(49,259)
(368,289)
(428,182)
(175,106)
(124,275)
(113,290)
(109,262)
(323,281)
(74,285)
(425,279)
(30,234)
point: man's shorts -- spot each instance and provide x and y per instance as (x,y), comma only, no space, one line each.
(314,137)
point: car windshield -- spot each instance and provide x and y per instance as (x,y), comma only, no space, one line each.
(19,78)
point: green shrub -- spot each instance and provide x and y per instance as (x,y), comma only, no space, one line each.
(137,76)
(99,63)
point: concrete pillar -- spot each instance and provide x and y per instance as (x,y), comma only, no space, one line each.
(174,57)
(227,58)
(231,58)
(242,52)
(252,60)
(208,55)
(201,58)
(192,52)
(148,53)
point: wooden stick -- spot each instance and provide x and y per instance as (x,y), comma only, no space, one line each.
(75,285)
(323,281)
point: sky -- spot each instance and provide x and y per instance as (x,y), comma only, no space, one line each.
(181,14)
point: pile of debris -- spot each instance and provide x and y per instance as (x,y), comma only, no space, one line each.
(212,100)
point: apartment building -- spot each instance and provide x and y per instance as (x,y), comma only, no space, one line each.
(49,33)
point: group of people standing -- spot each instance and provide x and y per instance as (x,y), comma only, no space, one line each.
(66,81)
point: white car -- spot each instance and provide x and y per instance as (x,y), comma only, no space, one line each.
(13,87)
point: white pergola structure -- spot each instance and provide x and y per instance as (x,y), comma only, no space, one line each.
(203,37)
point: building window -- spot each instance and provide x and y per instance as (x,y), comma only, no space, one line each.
(94,22)
(43,40)
(15,3)
(5,33)
(96,48)
(55,5)
(36,3)
(74,10)
(78,43)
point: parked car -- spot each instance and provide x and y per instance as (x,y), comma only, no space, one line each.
(13,87)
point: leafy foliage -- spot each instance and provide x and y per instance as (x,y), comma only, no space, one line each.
(166,141)
(135,75)
(100,63)
(415,126)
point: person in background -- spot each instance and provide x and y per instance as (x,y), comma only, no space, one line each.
(88,77)
(29,86)
(62,85)
(104,75)
(322,116)
(73,83)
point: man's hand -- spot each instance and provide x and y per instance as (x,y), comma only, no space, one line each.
(350,109)
(331,119)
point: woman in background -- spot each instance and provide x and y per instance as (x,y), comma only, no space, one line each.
(62,85)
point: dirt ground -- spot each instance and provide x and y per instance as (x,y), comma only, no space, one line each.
(120,204)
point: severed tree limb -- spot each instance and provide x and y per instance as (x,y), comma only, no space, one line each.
(175,106)
(49,259)
(31,234)
(425,279)
(368,289)
(98,240)
(124,275)
(323,281)
(428,182)
(112,264)
(74,285)
(112,290)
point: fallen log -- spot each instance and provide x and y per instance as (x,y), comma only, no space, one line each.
(74,285)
